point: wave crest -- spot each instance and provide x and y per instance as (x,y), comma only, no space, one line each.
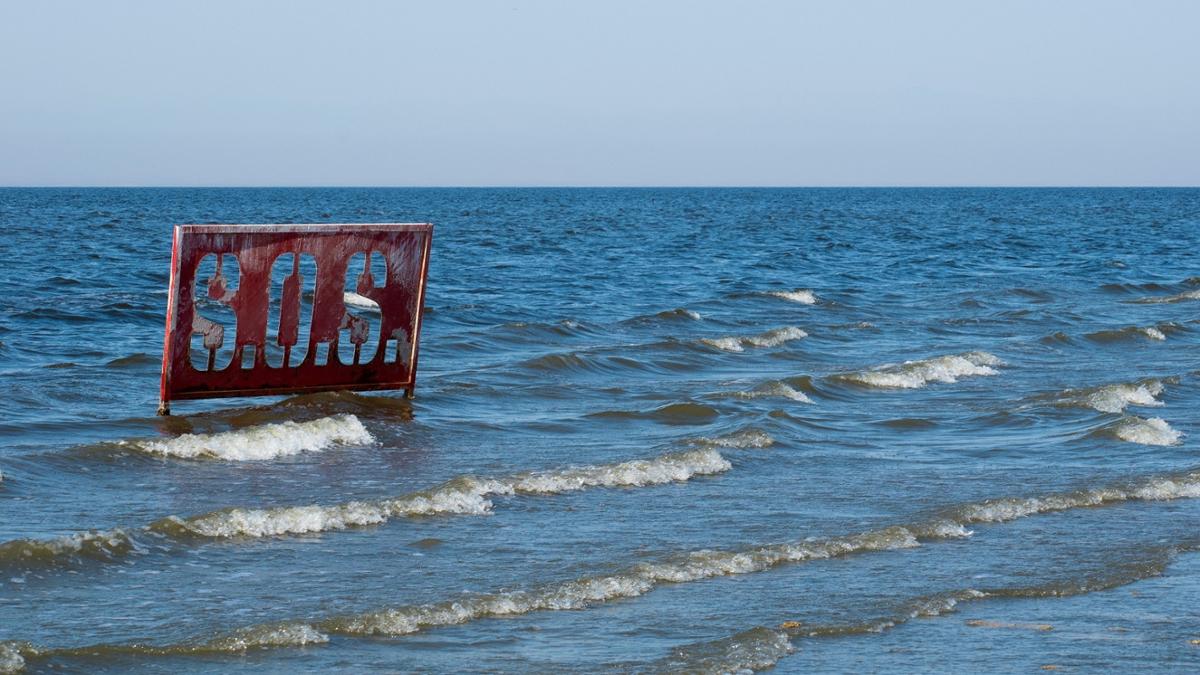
(466,495)
(771,338)
(803,296)
(1113,398)
(919,373)
(1130,332)
(96,544)
(775,390)
(1146,431)
(262,442)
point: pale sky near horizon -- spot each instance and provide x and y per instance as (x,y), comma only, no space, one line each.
(610,92)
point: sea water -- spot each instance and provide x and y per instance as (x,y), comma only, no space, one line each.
(701,430)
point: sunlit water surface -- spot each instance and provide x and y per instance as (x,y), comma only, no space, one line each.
(655,430)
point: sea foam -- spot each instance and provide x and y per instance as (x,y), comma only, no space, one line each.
(1114,398)
(775,390)
(803,296)
(741,440)
(467,495)
(771,338)
(633,582)
(1152,431)
(916,374)
(267,441)
(356,300)
(642,578)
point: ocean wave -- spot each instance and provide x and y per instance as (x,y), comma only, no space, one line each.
(1166,488)
(634,582)
(758,648)
(775,390)
(685,412)
(741,440)
(1178,297)
(803,296)
(1131,332)
(771,338)
(95,544)
(133,361)
(703,564)
(1113,398)
(1146,431)
(12,656)
(466,495)
(916,374)
(267,441)
(761,648)
(356,300)
(676,315)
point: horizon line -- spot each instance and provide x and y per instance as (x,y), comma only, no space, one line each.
(1102,186)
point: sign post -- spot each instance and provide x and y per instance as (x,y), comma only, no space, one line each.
(267,280)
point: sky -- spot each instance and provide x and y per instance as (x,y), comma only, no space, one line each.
(599,92)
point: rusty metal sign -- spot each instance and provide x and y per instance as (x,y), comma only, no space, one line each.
(257,310)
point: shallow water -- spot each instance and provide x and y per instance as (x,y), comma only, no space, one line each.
(655,430)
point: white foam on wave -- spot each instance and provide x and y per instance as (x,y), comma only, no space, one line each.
(916,374)
(637,581)
(703,564)
(1011,508)
(356,300)
(267,441)
(1178,297)
(11,659)
(775,390)
(1114,398)
(1152,332)
(466,495)
(749,651)
(803,296)
(94,543)
(771,338)
(741,440)
(1152,431)
(259,637)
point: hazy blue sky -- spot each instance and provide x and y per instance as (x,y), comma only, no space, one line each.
(606,92)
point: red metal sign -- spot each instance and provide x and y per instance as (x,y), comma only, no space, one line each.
(257,310)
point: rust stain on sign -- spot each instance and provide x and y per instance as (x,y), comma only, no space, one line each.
(251,309)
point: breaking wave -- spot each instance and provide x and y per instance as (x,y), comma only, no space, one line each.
(771,338)
(466,495)
(1113,398)
(916,374)
(751,650)
(1151,431)
(1178,297)
(1130,332)
(775,390)
(1186,486)
(97,545)
(356,300)
(267,441)
(634,582)
(13,655)
(761,648)
(12,659)
(741,440)
(803,296)
(698,565)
